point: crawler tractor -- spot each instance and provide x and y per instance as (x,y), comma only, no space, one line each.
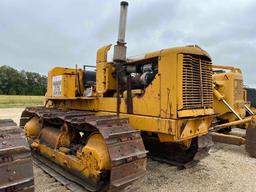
(96,124)
(231,109)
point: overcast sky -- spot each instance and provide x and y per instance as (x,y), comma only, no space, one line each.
(37,35)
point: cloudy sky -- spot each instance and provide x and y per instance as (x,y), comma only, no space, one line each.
(37,35)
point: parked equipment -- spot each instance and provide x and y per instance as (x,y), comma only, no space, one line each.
(92,125)
(16,170)
(250,98)
(230,107)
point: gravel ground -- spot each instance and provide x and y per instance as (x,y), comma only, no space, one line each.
(228,168)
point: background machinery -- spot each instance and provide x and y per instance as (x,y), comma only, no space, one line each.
(94,125)
(230,107)
(250,98)
(16,170)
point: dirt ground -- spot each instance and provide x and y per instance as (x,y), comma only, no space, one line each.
(228,168)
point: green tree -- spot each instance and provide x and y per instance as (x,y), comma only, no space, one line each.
(14,82)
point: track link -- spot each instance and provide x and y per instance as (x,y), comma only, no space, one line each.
(125,145)
(174,154)
(15,157)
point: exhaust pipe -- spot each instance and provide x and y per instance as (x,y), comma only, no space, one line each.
(120,48)
(119,56)
(122,22)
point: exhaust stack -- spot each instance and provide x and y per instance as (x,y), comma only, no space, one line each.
(119,56)
(120,48)
(122,22)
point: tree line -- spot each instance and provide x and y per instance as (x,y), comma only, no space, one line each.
(14,82)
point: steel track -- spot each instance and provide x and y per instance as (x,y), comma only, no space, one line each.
(125,146)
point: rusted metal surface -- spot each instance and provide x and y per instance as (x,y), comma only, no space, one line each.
(250,144)
(50,136)
(231,124)
(70,181)
(16,171)
(125,145)
(229,139)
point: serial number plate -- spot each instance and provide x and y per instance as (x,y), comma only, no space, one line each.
(56,85)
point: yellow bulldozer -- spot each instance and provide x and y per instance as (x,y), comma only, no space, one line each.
(231,109)
(98,125)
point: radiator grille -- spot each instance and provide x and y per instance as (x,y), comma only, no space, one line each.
(197,82)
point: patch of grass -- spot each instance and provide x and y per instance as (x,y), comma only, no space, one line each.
(7,101)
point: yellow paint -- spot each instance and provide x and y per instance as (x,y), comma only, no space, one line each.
(95,155)
(64,160)
(194,112)
(158,109)
(228,86)
(90,162)
(104,78)
(70,80)
(33,127)
(196,127)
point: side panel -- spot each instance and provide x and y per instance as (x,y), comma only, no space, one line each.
(69,82)
(68,86)
(143,105)
(168,73)
(179,83)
